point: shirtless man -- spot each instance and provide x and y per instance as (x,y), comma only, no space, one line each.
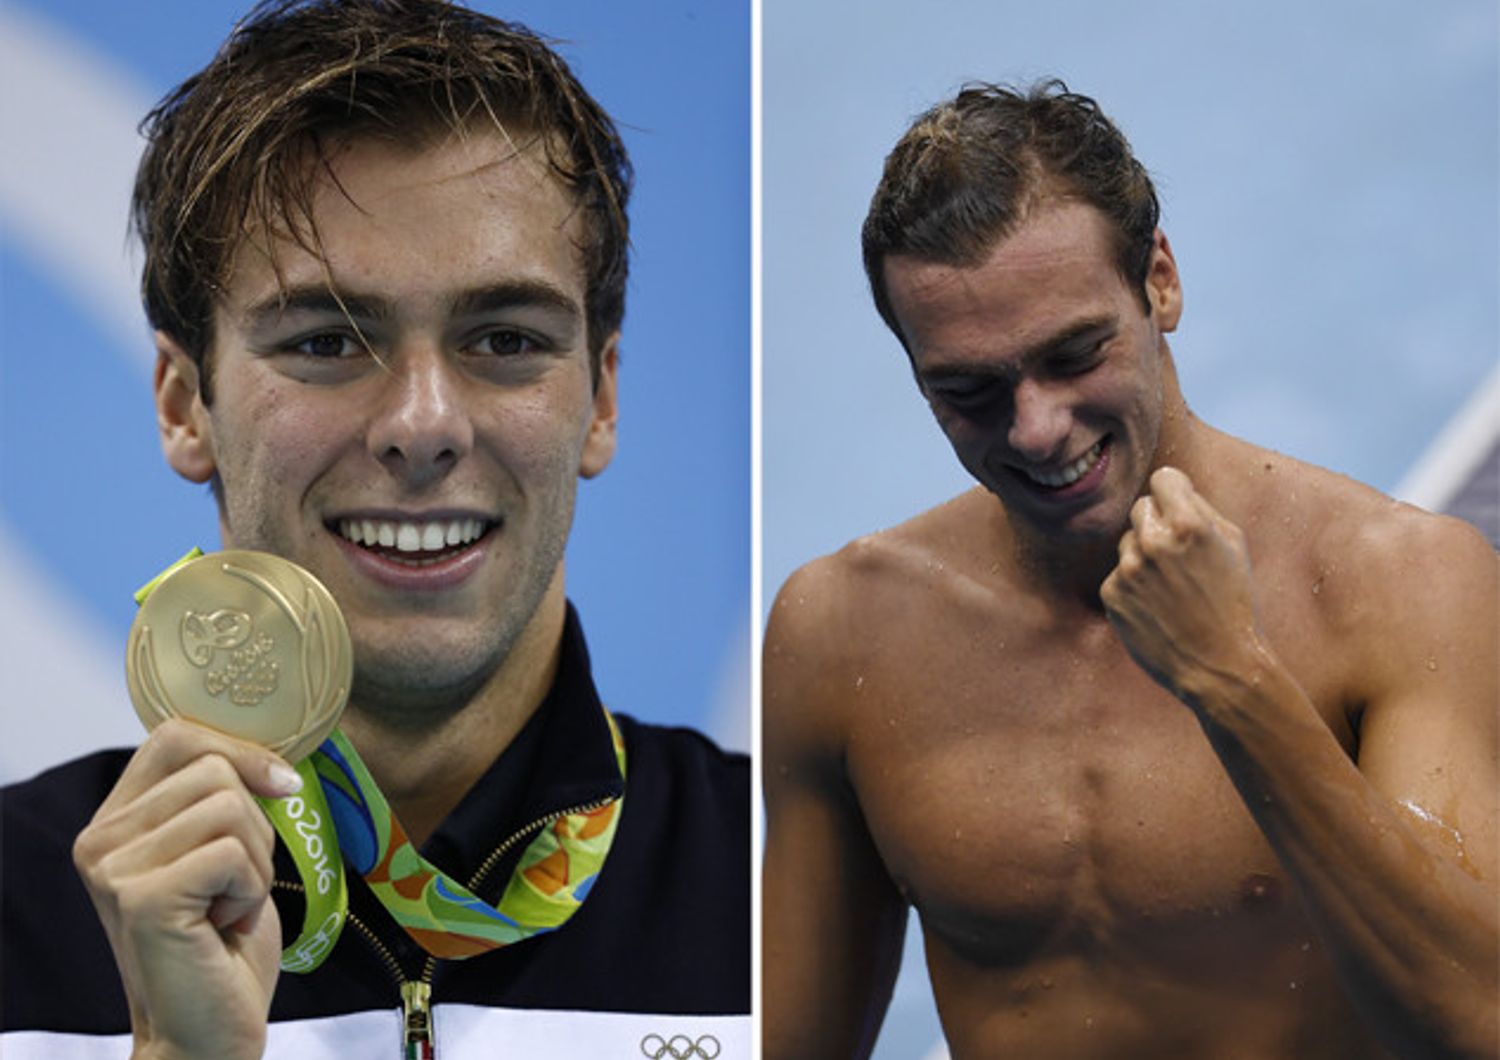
(1179,747)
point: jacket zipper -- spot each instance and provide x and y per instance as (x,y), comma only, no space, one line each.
(417,1040)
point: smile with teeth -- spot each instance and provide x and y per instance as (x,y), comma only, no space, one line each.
(1069,473)
(419,539)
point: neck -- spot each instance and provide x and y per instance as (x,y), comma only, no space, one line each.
(424,772)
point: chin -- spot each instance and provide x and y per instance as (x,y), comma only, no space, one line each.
(421,668)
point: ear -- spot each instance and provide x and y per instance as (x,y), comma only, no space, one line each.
(599,443)
(181,417)
(1163,285)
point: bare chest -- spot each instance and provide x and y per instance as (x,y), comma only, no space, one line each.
(1034,802)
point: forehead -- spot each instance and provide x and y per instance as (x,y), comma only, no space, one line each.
(1056,269)
(421,219)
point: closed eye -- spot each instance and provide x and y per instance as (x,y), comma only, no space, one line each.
(1077,361)
(965,393)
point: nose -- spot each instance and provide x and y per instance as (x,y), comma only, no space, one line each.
(1040,421)
(421,428)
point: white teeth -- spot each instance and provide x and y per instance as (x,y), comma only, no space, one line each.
(429,536)
(1070,473)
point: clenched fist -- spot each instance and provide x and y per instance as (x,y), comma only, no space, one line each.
(1181,597)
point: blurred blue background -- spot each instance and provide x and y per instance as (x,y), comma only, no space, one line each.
(1329,179)
(660,559)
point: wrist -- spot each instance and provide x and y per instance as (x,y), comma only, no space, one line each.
(1249,687)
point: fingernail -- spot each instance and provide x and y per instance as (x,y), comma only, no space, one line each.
(285,779)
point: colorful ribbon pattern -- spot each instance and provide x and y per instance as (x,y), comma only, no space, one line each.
(554,875)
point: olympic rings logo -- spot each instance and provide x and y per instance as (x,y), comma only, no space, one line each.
(679,1047)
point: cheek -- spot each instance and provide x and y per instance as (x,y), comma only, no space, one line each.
(541,434)
(269,438)
(971,441)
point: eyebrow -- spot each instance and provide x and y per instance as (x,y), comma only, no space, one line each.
(519,293)
(362,308)
(1055,343)
(313,299)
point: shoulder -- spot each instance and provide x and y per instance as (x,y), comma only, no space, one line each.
(842,618)
(54,805)
(1389,585)
(683,780)
(675,759)
(1350,539)
(1419,582)
(55,950)
(671,912)
(845,602)
(1392,555)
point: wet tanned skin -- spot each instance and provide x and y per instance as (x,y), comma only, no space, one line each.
(953,722)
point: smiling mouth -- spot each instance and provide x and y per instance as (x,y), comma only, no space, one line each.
(1061,478)
(414,542)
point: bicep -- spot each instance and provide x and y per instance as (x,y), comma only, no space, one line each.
(1428,739)
(833,921)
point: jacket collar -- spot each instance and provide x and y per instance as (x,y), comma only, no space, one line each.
(562,758)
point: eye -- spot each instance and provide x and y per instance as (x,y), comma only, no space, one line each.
(1077,362)
(966,394)
(508,342)
(324,346)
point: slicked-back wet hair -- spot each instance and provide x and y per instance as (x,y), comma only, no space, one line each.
(968,171)
(237,151)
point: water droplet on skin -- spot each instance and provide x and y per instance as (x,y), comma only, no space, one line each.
(859,682)
(1293,984)
(1318,585)
(1306,946)
(1432,665)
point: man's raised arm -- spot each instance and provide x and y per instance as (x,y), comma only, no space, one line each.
(1394,855)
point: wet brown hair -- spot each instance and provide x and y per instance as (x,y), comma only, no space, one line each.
(238,149)
(968,171)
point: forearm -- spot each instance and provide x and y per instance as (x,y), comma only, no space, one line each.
(1413,934)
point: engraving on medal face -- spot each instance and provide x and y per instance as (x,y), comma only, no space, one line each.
(236,630)
(202,633)
(250,674)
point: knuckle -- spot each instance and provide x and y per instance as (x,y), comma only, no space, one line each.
(218,771)
(86,853)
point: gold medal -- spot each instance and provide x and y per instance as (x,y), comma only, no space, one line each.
(244,642)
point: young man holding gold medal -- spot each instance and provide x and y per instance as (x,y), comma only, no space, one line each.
(385,259)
